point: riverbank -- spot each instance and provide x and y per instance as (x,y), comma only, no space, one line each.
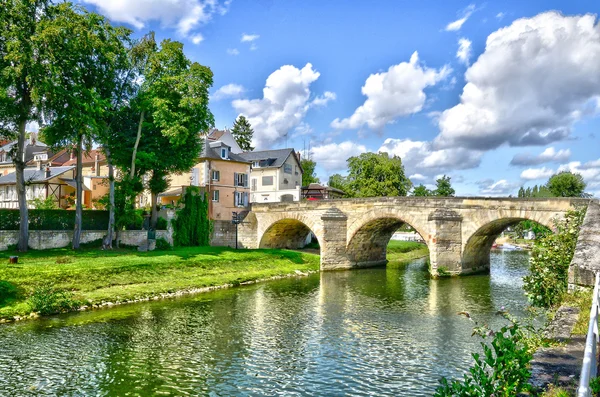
(70,280)
(400,253)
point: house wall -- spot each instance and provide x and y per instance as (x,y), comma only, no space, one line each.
(273,193)
(222,209)
(8,193)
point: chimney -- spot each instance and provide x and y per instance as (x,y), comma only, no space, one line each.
(72,154)
(298,155)
(32,138)
(47,172)
(38,164)
(96,167)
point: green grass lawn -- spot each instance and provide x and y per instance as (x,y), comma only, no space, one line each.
(401,252)
(95,276)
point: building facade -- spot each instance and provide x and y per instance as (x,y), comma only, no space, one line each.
(276,175)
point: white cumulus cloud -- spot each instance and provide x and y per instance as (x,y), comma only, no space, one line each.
(465,14)
(489,187)
(535,78)
(249,37)
(324,99)
(537,173)
(393,94)
(183,15)
(285,101)
(419,157)
(547,156)
(229,91)
(233,51)
(464,51)
(332,157)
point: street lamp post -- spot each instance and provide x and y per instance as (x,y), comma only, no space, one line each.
(235,219)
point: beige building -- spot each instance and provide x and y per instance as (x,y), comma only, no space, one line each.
(276,175)
(220,173)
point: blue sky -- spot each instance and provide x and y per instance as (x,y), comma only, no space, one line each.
(497,95)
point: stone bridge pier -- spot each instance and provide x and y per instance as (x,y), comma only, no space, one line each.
(354,233)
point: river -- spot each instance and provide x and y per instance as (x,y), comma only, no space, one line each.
(370,332)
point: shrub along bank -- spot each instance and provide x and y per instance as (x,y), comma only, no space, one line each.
(63,280)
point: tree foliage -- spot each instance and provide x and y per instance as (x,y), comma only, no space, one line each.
(338,181)
(308,175)
(242,133)
(547,281)
(377,175)
(192,226)
(421,191)
(20,64)
(566,184)
(444,187)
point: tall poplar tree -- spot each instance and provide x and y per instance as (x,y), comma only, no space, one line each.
(19,65)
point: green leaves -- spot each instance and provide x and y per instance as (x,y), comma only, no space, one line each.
(242,132)
(501,371)
(566,184)
(309,176)
(377,175)
(192,226)
(547,281)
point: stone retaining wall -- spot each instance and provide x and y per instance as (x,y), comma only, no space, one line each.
(586,260)
(47,239)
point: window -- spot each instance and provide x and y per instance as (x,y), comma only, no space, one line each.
(254,184)
(215,195)
(287,168)
(224,153)
(216,175)
(240,179)
(267,181)
(255,164)
(240,199)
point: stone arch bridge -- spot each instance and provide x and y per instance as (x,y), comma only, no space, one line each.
(353,233)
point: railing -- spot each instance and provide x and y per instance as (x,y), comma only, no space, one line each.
(589,368)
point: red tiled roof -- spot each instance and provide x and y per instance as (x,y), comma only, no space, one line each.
(88,158)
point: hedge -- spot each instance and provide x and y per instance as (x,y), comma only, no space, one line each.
(54,220)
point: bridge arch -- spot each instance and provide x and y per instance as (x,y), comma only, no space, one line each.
(480,236)
(369,235)
(287,231)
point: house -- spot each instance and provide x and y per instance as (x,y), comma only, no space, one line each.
(94,172)
(220,173)
(276,175)
(33,150)
(316,191)
(43,182)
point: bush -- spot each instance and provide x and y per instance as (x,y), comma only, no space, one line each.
(551,256)
(49,300)
(54,220)
(192,227)
(162,244)
(502,370)
(162,224)
(7,291)
(49,203)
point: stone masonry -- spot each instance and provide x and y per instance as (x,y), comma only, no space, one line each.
(354,233)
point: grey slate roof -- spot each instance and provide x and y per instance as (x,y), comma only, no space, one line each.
(33,175)
(276,157)
(30,150)
(210,152)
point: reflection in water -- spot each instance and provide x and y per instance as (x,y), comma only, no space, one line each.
(376,331)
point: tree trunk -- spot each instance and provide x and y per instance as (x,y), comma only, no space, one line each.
(19,161)
(79,207)
(154,212)
(111,201)
(135,147)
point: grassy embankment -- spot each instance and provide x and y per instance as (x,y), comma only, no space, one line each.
(399,253)
(94,276)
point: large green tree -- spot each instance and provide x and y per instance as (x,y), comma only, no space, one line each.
(84,55)
(242,132)
(444,187)
(338,181)
(376,175)
(422,191)
(19,67)
(566,184)
(160,130)
(308,175)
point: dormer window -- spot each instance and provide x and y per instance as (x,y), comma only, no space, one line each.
(255,164)
(224,153)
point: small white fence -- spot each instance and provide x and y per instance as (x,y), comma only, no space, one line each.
(589,368)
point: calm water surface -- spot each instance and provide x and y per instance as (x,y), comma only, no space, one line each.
(365,332)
